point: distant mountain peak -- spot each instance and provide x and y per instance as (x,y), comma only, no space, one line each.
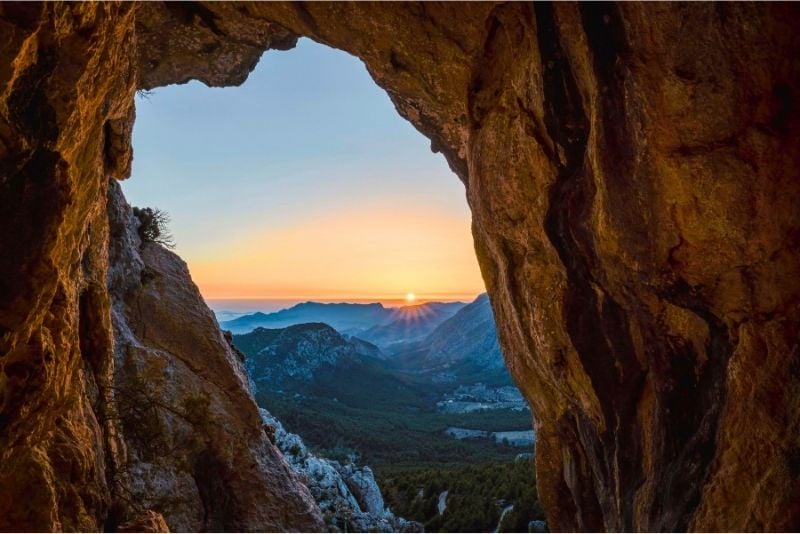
(346,317)
(306,327)
(314,304)
(410,323)
(462,347)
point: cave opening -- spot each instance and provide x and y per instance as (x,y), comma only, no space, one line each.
(312,215)
(677,228)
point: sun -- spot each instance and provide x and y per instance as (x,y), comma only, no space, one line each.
(410,297)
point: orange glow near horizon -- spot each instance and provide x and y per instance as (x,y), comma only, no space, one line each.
(303,184)
(375,253)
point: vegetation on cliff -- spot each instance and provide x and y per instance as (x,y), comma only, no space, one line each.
(154,226)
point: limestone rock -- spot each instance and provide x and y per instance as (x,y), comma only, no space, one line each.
(361,483)
(196,450)
(632,174)
(632,171)
(65,75)
(348,495)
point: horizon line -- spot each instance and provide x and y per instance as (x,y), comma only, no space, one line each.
(370,297)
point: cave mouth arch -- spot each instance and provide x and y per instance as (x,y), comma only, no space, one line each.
(499,89)
(213,167)
(681,220)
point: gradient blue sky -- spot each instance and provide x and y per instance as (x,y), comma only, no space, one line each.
(303,182)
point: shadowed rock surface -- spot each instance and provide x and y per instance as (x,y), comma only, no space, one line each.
(149,521)
(632,171)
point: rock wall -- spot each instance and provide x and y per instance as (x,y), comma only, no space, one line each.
(632,171)
(67,85)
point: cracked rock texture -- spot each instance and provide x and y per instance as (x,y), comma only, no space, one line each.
(348,495)
(632,171)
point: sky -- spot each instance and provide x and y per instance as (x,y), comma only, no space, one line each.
(303,183)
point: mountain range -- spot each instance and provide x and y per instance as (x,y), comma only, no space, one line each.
(462,349)
(313,359)
(341,316)
(372,322)
(445,350)
(410,323)
(390,398)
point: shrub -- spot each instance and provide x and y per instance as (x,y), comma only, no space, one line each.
(153,226)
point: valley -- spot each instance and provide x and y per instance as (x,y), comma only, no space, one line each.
(417,393)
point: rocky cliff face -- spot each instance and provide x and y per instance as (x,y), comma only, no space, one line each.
(632,171)
(193,443)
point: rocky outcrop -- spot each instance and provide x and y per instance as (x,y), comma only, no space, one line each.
(348,495)
(194,448)
(632,173)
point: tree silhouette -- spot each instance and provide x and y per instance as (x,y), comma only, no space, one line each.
(154,226)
